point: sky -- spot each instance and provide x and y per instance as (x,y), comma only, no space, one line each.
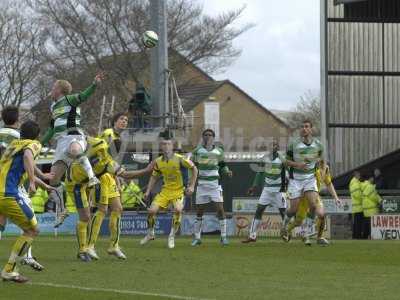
(280,58)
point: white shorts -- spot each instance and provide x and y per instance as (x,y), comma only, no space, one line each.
(207,194)
(275,199)
(63,144)
(297,188)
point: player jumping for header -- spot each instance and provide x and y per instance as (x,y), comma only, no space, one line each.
(71,142)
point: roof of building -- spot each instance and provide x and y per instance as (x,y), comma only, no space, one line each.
(196,94)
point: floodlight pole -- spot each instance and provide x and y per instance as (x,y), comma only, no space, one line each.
(159,63)
(324,78)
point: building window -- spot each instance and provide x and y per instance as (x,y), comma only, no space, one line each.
(372,9)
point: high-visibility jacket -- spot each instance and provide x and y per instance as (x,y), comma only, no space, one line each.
(39,200)
(370,200)
(356,195)
(130,195)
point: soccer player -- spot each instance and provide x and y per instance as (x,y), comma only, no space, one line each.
(71,143)
(323,176)
(273,176)
(170,166)
(302,157)
(106,194)
(209,160)
(113,135)
(9,133)
(18,162)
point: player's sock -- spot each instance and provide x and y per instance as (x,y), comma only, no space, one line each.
(21,245)
(81,234)
(57,196)
(95,225)
(85,164)
(115,228)
(197,227)
(222,224)
(291,226)
(309,226)
(287,218)
(282,212)
(320,224)
(176,222)
(293,223)
(254,228)
(29,252)
(151,222)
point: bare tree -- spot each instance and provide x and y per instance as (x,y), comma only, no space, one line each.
(20,40)
(308,107)
(83,33)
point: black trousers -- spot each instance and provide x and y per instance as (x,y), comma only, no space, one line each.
(358,224)
(366,228)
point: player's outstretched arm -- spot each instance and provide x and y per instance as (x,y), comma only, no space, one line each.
(43,176)
(150,186)
(137,173)
(47,136)
(78,99)
(29,165)
(43,185)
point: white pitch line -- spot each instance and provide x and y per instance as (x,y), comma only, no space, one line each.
(126,292)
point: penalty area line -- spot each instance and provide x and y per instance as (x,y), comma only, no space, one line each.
(124,292)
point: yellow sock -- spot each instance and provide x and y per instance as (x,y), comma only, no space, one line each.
(115,228)
(81,234)
(176,222)
(20,247)
(320,224)
(95,225)
(151,222)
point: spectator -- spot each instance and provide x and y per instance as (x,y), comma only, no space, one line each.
(357,209)
(378,179)
(370,204)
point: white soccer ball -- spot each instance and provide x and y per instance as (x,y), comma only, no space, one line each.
(150,39)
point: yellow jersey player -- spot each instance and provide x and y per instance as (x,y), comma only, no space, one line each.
(18,163)
(171,167)
(113,135)
(10,132)
(106,194)
(323,176)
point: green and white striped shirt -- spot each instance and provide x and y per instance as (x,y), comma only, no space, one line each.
(7,135)
(209,164)
(274,169)
(66,114)
(310,154)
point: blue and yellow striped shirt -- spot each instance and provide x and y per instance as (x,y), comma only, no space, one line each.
(12,170)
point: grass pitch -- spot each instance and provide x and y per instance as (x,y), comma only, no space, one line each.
(268,269)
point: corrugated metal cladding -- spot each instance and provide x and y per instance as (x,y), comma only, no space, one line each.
(356,146)
(335,11)
(355,99)
(358,47)
(372,46)
(352,146)
(355,47)
(392,47)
